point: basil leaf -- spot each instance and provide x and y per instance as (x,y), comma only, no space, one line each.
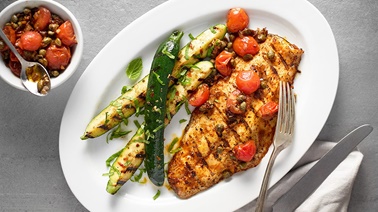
(134,69)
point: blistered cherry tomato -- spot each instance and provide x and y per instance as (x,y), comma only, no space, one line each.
(201,95)
(12,56)
(245,151)
(66,34)
(41,18)
(237,19)
(58,57)
(268,110)
(15,67)
(247,81)
(222,63)
(30,41)
(10,33)
(245,45)
(236,103)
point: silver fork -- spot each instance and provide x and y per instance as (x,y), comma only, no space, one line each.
(282,137)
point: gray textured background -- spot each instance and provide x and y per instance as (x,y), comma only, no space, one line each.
(31,178)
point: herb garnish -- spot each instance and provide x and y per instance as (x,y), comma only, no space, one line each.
(167,52)
(134,69)
(112,157)
(191,36)
(116,133)
(137,177)
(106,119)
(156,195)
(137,124)
(158,78)
(125,89)
(187,107)
(172,144)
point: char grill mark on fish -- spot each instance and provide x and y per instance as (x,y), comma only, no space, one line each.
(208,140)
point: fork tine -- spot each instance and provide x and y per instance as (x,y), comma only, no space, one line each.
(285,111)
(292,110)
(280,108)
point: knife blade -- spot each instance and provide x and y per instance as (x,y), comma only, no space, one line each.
(321,170)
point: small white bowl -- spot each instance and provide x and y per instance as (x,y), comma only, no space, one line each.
(65,14)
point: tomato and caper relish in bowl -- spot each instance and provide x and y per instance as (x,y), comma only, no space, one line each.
(41,36)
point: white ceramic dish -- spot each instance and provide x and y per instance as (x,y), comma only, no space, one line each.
(83,162)
(63,12)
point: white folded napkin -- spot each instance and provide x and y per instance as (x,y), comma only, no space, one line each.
(332,195)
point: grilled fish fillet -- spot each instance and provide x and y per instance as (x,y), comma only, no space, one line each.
(208,140)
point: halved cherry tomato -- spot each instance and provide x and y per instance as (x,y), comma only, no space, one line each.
(236,103)
(200,96)
(222,63)
(12,56)
(245,45)
(58,57)
(30,41)
(247,81)
(237,19)
(66,34)
(11,35)
(245,151)
(15,67)
(41,18)
(268,110)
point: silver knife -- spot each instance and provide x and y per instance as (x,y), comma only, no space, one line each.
(320,171)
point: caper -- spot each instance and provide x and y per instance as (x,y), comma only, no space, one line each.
(40,85)
(226,174)
(14,25)
(27,11)
(219,129)
(261,37)
(271,54)
(54,73)
(44,90)
(50,33)
(243,106)
(53,27)
(219,150)
(58,42)
(46,41)
(43,61)
(42,52)
(14,18)
(232,37)
(36,74)
(263,84)
(29,72)
(247,32)
(247,57)
(241,98)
